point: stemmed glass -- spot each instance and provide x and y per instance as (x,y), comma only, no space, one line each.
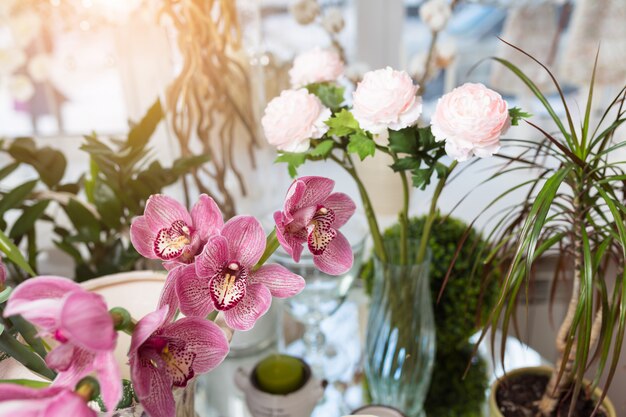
(320,299)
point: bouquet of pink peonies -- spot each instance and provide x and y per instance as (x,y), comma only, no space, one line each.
(315,121)
(67,335)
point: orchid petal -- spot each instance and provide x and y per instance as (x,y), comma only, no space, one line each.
(317,189)
(193,292)
(170,242)
(203,337)
(81,366)
(226,290)
(146,326)
(291,244)
(154,389)
(246,240)
(168,293)
(109,378)
(213,257)
(86,322)
(255,304)
(207,217)
(337,257)
(142,237)
(281,282)
(293,197)
(162,211)
(342,206)
(68,404)
(60,358)
(321,233)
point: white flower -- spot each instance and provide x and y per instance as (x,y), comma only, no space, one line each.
(25,27)
(305,11)
(333,20)
(10,60)
(21,87)
(435,13)
(39,67)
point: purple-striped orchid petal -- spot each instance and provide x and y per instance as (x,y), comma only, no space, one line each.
(225,279)
(167,231)
(80,322)
(16,400)
(166,355)
(313,215)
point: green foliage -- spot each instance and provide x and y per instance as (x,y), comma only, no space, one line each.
(122,175)
(516,114)
(451,394)
(464,299)
(362,145)
(342,123)
(293,161)
(331,95)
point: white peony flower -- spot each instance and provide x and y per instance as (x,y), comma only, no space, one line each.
(21,88)
(435,13)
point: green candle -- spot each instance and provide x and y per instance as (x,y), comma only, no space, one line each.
(280,374)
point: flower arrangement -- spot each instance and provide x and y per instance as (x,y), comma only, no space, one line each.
(215,269)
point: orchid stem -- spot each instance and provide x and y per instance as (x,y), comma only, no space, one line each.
(21,353)
(122,320)
(270,247)
(432,214)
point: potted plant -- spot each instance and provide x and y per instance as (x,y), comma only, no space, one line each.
(574,208)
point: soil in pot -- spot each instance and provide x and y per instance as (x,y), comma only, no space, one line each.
(517,396)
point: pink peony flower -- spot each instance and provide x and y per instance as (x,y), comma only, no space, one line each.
(169,232)
(313,215)
(435,13)
(293,118)
(16,400)
(224,278)
(471,118)
(386,99)
(164,355)
(315,66)
(80,322)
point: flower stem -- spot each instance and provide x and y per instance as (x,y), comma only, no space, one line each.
(21,353)
(432,213)
(122,320)
(270,247)
(403,217)
(379,247)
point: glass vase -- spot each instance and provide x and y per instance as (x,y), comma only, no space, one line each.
(185,404)
(400,342)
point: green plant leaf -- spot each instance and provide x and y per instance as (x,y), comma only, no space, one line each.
(14,254)
(26,383)
(293,160)
(28,218)
(516,114)
(405,164)
(421,177)
(108,205)
(362,145)
(8,170)
(331,95)
(141,133)
(403,141)
(86,224)
(49,163)
(323,148)
(342,124)
(16,196)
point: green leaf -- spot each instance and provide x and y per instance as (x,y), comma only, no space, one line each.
(331,95)
(342,124)
(108,205)
(49,163)
(13,253)
(8,170)
(68,248)
(405,164)
(516,114)
(421,177)
(294,160)
(85,222)
(28,218)
(323,148)
(403,141)
(4,295)
(16,196)
(26,383)
(362,145)
(141,133)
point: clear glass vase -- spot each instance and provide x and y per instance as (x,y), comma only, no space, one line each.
(185,404)
(400,342)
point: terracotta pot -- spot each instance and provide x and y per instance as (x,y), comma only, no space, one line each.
(537,370)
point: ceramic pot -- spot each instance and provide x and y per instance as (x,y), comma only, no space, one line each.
(296,404)
(377,411)
(537,370)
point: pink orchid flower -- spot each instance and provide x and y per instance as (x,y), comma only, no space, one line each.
(165,355)
(16,400)
(80,322)
(3,275)
(224,277)
(169,232)
(313,215)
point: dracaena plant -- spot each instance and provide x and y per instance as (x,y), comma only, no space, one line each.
(574,209)
(215,269)
(314,121)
